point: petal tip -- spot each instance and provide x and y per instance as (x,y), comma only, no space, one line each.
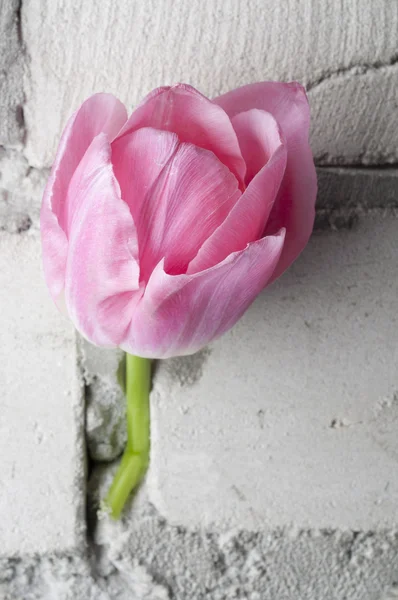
(299,90)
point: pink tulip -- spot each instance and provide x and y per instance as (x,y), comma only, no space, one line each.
(159,230)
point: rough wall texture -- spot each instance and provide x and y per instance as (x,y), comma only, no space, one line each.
(354,117)
(41,412)
(345,52)
(298,403)
(330,459)
(11,73)
(145,558)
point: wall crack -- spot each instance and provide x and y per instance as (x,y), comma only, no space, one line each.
(352,71)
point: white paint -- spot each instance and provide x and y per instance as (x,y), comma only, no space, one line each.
(354,117)
(41,412)
(294,418)
(130,47)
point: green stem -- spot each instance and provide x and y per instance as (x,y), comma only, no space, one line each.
(135,458)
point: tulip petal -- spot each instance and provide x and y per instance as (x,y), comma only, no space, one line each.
(178,195)
(180,314)
(265,153)
(259,137)
(100,113)
(102,271)
(295,206)
(194,118)
(138,161)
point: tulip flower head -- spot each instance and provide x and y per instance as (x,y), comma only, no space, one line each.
(159,230)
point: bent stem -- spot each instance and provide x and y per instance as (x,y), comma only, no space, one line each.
(135,458)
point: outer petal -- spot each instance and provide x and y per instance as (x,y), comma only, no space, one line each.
(194,118)
(102,272)
(100,113)
(265,153)
(181,314)
(295,206)
(178,195)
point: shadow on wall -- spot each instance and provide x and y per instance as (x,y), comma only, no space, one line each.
(326,326)
(346,194)
(332,316)
(336,265)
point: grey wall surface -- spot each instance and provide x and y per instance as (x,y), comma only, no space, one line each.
(274,451)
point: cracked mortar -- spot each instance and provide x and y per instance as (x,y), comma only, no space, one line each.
(105,402)
(12,65)
(354,69)
(21,188)
(144,557)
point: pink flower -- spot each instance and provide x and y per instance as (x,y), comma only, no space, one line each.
(158,231)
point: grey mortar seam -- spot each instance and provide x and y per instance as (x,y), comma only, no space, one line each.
(352,71)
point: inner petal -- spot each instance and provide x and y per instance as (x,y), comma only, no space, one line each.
(194,118)
(265,152)
(178,195)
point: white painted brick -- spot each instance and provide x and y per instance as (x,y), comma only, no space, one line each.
(129,47)
(355,117)
(291,418)
(41,412)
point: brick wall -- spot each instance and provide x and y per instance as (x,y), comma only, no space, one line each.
(274,451)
